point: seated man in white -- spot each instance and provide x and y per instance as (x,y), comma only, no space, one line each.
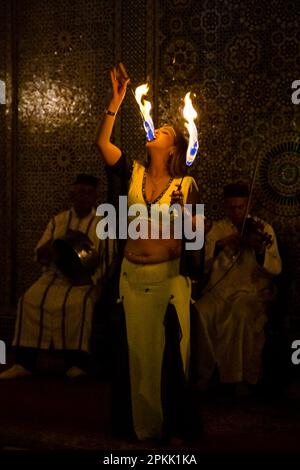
(56,311)
(233,309)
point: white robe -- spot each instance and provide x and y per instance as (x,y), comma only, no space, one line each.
(53,311)
(232,311)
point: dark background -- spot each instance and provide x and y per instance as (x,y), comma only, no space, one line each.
(239,57)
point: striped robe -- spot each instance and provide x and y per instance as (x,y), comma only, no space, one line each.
(232,311)
(53,312)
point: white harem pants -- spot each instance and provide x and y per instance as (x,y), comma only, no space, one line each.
(146,290)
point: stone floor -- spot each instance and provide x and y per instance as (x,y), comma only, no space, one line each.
(51,412)
(48,412)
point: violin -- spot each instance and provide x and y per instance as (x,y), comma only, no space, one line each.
(253,232)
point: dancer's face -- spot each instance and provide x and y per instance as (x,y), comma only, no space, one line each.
(164,139)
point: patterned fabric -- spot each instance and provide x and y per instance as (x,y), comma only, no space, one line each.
(135,194)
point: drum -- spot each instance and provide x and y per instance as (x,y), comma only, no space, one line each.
(76,257)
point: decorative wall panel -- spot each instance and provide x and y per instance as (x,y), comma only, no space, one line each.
(65,51)
(3,42)
(239,57)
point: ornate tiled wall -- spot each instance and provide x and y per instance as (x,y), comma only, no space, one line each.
(65,50)
(238,56)
(3,42)
(240,59)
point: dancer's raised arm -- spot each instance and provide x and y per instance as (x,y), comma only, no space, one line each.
(110,153)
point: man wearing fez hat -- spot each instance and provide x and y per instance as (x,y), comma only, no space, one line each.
(236,190)
(232,311)
(57,309)
(85,179)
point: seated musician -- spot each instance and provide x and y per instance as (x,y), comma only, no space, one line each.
(241,257)
(56,311)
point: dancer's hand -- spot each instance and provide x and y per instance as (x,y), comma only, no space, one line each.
(119,90)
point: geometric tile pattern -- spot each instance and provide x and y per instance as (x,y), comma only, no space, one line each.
(237,57)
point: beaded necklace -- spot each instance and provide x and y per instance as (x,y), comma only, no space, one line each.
(149,203)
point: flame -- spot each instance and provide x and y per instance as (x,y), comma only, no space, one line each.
(145,108)
(190,115)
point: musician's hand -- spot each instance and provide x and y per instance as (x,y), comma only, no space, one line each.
(73,234)
(255,241)
(46,254)
(232,241)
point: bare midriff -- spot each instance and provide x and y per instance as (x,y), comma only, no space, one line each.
(150,251)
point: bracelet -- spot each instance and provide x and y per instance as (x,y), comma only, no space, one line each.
(110,113)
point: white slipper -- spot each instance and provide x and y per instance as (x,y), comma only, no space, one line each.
(15,372)
(75,372)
